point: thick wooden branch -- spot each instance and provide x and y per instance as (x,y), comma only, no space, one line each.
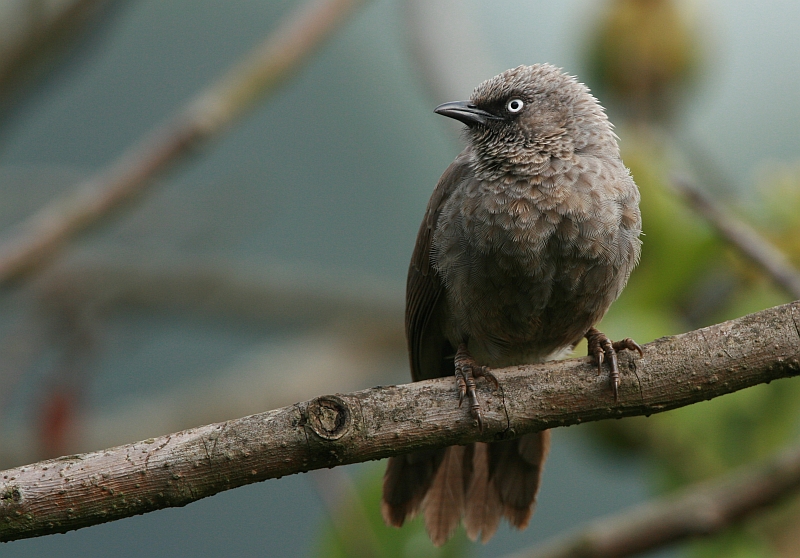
(353,325)
(77,491)
(700,510)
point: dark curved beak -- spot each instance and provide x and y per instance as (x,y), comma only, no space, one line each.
(466,112)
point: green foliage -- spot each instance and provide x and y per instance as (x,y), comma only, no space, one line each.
(777,206)
(641,54)
(685,267)
(359,529)
(735,544)
(679,250)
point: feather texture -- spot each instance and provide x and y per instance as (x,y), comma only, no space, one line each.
(406,482)
(444,504)
(483,508)
(515,470)
(529,236)
(478,483)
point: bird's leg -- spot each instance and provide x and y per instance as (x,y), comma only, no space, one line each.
(467,370)
(602,349)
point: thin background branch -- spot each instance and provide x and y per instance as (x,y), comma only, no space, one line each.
(77,491)
(742,237)
(263,70)
(35,35)
(221,286)
(699,510)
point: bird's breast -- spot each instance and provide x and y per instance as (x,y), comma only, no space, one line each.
(526,270)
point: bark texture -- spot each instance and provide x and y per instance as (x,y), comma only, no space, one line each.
(76,491)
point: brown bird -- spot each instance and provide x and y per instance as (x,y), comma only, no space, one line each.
(528,238)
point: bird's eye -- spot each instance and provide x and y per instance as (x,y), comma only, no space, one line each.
(514,106)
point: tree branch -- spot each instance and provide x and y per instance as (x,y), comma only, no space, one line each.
(254,381)
(59,495)
(699,510)
(352,326)
(36,35)
(743,237)
(43,233)
(223,287)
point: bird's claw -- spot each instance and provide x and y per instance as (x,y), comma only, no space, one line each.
(628,344)
(602,349)
(598,356)
(466,373)
(461,385)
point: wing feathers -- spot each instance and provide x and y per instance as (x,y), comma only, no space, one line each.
(424,287)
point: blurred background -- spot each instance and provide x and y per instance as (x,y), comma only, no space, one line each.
(265,264)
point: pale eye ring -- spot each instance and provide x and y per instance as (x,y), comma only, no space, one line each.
(514,105)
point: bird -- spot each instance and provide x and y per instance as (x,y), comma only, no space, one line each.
(529,236)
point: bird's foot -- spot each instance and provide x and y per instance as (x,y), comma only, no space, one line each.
(467,371)
(603,350)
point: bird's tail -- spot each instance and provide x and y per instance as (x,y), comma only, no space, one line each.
(479,483)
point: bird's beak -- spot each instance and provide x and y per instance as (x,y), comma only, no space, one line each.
(466,112)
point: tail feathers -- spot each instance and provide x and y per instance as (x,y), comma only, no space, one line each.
(515,469)
(444,504)
(480,482)
(483,508)
(406,482)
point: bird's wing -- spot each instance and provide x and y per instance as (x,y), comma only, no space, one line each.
(427,346)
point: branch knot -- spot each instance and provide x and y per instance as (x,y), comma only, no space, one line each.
(329,417)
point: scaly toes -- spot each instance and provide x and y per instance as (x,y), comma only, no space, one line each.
(467,371)
(628,344)
(603,350)
(611,358)
(600,358)
(476,414)
(461,385)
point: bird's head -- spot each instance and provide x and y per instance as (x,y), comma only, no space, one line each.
(519,120)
